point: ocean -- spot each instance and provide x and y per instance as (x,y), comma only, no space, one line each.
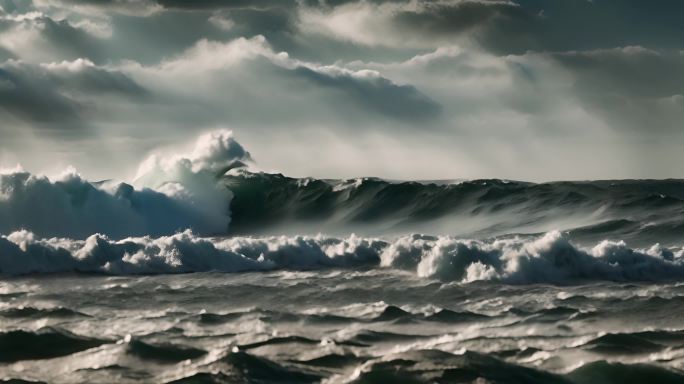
(341,191)
(349,281)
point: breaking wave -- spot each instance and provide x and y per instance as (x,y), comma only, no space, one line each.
(210,191)
(550,258)
(161,223)
(171,194)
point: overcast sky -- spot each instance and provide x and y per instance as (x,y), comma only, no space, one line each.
(525,89)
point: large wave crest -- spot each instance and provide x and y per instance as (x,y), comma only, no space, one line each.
(170,194)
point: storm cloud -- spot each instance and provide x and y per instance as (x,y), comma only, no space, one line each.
(524,89)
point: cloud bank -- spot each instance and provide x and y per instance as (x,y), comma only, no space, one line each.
(404,89)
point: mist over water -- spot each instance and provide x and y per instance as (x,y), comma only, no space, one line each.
(202,269)
(169,194)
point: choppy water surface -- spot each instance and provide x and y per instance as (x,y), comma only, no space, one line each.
(230,276)
(337,326)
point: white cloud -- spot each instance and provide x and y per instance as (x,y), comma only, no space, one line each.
(222,21)
(381,24)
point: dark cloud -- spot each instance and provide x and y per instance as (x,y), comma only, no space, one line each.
(133,7)
(460,17)
(58,96)
(633,87)
(6,54)
(500,26)
(26,97)
(277,20)
(631,71)
(518,26)
(562,25)
(379,95)
(225,4)
(585,25)
(58,39)
(497,83)
(12,6)
(275,96)
(148,39)
(151,38)
(264,21)
(71,42)
(97,81)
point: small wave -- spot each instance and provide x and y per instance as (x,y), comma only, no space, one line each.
(622,343)
(662,336)
(333,361)
(517,353)
(328,319)
(616,373)
(395,314)
(31,312)
(449,316)
(446,367)
(278,341)
(45,343)
(210,319)
(242,367)
(214,319)
(258,369)
(548,315)
(368,337)
(163,353)
(204,378)
(391,313)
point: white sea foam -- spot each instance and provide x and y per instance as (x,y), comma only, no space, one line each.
(22,252)
(170,194)
(549,258)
